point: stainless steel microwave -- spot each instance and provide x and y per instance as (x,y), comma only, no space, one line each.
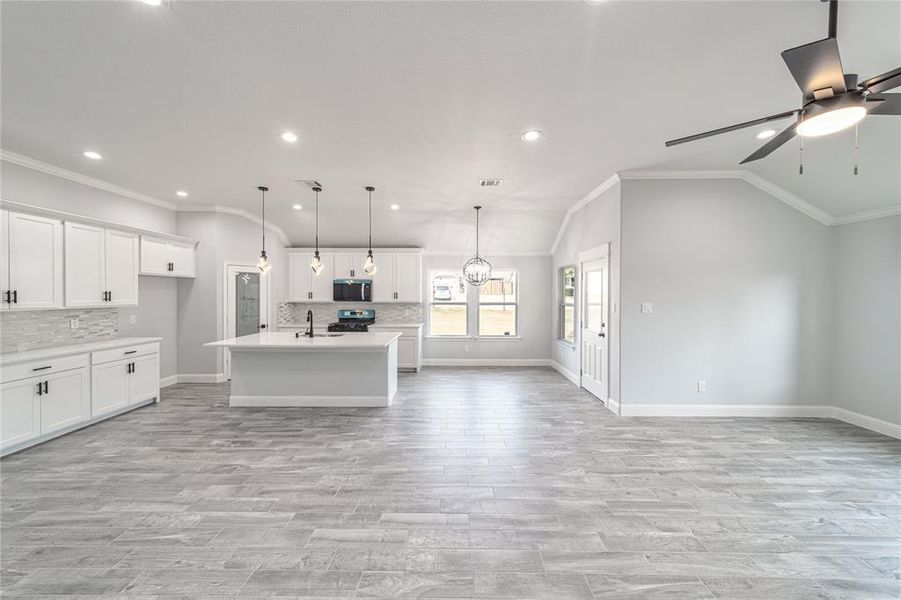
(352,290)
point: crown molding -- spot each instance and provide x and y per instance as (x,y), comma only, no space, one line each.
(36,165)
(237,212)
(867,215)
(585,201)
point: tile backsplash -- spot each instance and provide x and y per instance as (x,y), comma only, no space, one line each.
(294,314)
(35,329)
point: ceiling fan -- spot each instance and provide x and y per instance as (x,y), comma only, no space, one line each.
(832,99)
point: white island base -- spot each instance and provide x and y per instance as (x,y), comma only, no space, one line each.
(279,370)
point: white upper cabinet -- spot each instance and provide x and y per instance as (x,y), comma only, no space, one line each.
(350,264)
(383,280)
(170,258)
(101,266)
(302,284)
(408,277)
(31,261)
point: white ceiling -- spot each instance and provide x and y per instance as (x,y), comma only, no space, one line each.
(423,99)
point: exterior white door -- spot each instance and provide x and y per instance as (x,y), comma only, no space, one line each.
(121,263)
(246,304)
(407,277)
(595,343)
(85,269)
(35,261)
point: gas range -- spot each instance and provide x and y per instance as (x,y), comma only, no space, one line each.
(353,321)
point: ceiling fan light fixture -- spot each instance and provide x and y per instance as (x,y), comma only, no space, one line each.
(831,115)
(766,134)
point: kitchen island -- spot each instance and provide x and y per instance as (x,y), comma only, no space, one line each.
(279,369)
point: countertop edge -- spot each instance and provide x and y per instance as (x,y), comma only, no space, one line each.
(10,358)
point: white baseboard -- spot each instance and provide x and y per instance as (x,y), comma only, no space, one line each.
(486,362)
(565,372)
(167,381)
(614,406)
(201,377)
(722,410)
(311,401)
(867,422)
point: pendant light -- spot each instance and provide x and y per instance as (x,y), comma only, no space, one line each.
(316,264)
(477,270)
(369,266)
(263,264)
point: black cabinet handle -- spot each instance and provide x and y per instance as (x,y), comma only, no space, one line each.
(133,368)
(110,296)
(43,368)
(9,297)
(40,389)
(46,387)
(262,326)
(15,296)
(131,352)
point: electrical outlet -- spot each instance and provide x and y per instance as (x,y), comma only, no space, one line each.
(465,347)
(74,324)
(647,308)
(132,319)
(702,385)
(614,307)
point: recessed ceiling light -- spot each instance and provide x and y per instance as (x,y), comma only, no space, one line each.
(766,134)
(297,207)
(92,155)
(289,137)
(532,135)
(394,207)
(152,2)
(181,194)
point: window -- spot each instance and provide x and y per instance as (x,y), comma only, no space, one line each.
(447,303)
(567,310)
(498,303)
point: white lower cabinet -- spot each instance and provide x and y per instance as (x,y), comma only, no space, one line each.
(42,399)
(409,345)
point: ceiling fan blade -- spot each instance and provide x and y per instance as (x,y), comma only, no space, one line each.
(884,104)
(706,134)
(786,134)
(816,66)
(884,82)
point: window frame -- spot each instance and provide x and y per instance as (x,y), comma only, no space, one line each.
(465,304)
(562,305)
(515,304)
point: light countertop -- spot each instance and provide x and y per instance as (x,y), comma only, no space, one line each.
(57,351)
(377,324)
(285,340)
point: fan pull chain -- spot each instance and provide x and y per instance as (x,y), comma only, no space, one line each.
(801,157)
(856,149)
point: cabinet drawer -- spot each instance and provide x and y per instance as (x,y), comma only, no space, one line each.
(105,356)
(41,368)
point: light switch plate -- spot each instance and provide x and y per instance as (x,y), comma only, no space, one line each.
(74,324)
(647,308)
(132,319)
(702,385)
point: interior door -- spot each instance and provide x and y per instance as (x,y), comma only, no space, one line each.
(595,343)
(407,277)
(85,268)
(383,288)
(246,304)
(35,261)
(121,262)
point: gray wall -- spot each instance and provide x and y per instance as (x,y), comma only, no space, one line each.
(156,314)
(742,291)
(866,327)
(534,338)
(595,224)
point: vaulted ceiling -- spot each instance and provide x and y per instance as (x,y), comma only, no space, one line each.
(423,99)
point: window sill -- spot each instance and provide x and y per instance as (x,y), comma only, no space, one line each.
(494,338)
(449,338)
(565,345)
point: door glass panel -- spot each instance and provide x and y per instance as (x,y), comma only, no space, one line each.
(247,303)
(594,293)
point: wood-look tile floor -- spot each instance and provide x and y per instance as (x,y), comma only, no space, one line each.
(476,483)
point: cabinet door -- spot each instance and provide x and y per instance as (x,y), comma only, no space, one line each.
(154,256)
(181,255)
(408,277)
(4,258)
(66,401)
(20,413)
(109,387)
(85,269)
(350,264)
(383,281)
(144,380)
(321,285)
(406,352)
(35,261)
(298,288)
(121,261)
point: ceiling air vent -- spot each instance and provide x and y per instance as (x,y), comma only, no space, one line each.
(311,183)
(489,182)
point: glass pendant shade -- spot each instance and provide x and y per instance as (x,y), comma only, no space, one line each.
(477,270)
(316,264)
(263,264)
(369,266)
